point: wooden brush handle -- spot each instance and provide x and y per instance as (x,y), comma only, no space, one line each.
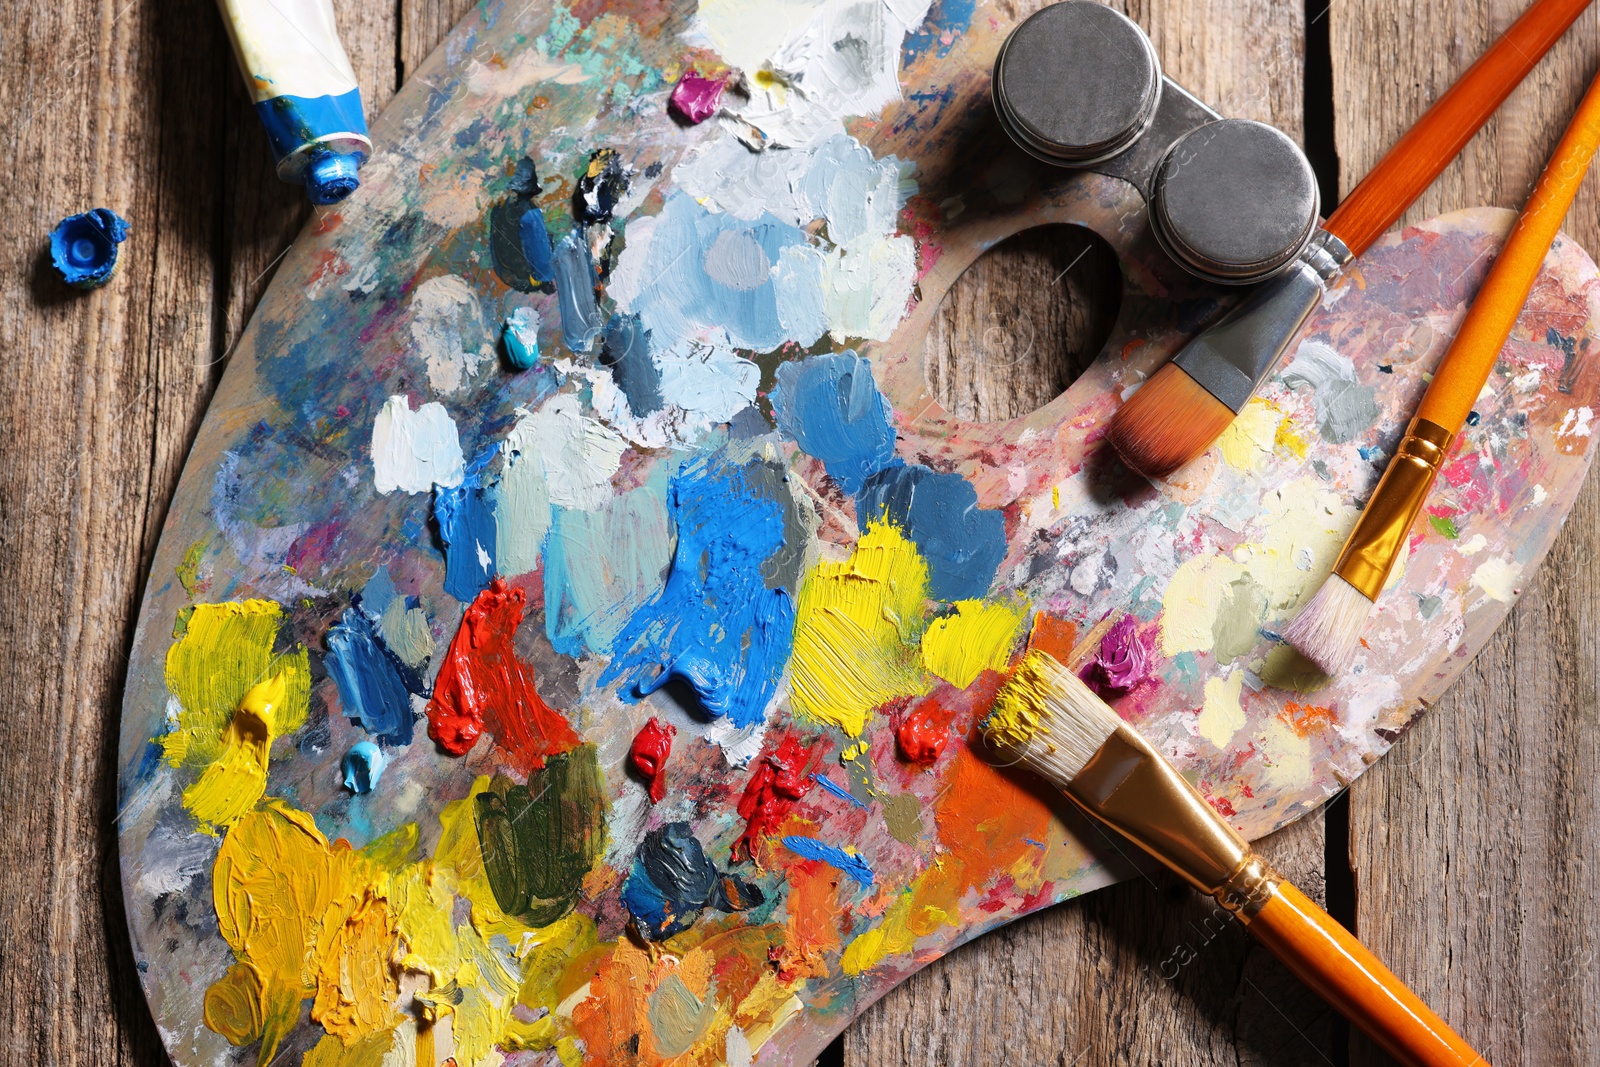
(1466,366)
(1423,151)
(1331,961)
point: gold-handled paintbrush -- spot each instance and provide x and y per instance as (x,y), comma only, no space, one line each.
(1327,630)
(1050,721)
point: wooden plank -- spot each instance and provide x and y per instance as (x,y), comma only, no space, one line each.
(1140,972)
(1471,841)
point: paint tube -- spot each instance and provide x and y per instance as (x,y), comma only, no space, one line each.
(304,91)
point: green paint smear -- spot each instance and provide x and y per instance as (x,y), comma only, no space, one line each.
(1445,525)
(188,568)
(903,813)
(1236,629)
(539,840)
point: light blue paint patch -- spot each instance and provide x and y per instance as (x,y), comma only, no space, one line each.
(836,789)
(522,338)
(603,566)
(374,686)
(362,766)
(377,593)
(581,324)
(465,515)
(857,192)
(832,409)
(716,625)
(627,354)
(962,543)
(812,849)
(705,271)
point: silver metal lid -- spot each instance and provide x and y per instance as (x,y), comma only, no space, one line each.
(1235,201)
(1076,83)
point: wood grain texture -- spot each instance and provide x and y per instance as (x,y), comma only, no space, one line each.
(136,106)
(1473,843)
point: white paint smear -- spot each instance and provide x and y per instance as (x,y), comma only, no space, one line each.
(1497,578)
(449,331)
(413,451)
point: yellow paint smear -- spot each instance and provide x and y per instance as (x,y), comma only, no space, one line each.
(855,631)
(1250,437)
(223,651)
(977,638)
(304,919)
(235,780)
(1222,716)
(1014,720)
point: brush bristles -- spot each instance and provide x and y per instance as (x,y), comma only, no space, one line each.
(1049,719)
(1327,631)
(1171,420)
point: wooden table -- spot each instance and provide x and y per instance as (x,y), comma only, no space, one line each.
(136,105)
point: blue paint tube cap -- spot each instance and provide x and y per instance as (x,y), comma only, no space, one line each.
(332,176)
(83,248)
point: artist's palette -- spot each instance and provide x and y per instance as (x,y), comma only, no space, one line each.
(377,802)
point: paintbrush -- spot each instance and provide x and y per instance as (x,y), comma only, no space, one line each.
(1050,721)
(1328,629)
(1187,404)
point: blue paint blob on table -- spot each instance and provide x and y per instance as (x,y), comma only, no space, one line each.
(831,407)
(812,849)
(83,248)
(962,543)
(718,625)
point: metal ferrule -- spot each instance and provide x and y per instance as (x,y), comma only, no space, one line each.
(1374,545)
(1129,786)
(1230,358)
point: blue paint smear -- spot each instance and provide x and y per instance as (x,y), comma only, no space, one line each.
(377,593)
(716,625)
(374,686)
(962,543)
(812,849)
(627,353)
(466,523)
(717,271)
(673,881)
(1035,844)
(535,241)
(362,766)
(581,324)
(836,789)
(832,409)
(939,32)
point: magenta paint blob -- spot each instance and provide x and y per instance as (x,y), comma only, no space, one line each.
(695,98)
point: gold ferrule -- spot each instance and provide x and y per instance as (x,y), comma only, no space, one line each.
(1131,788)
(1249,887)
(1375,544)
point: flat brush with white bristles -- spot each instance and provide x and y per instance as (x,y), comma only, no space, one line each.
(1327,631)
(1048,720)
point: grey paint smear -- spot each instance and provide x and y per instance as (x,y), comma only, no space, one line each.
(1345,407)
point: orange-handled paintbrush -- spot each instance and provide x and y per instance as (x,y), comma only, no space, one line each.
(1046,718)
(1328,629)
(1187,404)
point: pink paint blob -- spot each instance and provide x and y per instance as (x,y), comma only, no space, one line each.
(1122,661)
(695,98)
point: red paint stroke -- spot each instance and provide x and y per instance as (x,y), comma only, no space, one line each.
(782,777)
(924,730)
(483,683)
(649,752)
